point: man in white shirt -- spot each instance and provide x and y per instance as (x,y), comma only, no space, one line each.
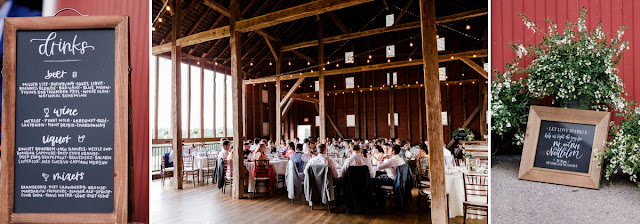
(255,144)
(305,146)
(225,150)
(390,165)
(188,150)
(357,159)
(321,158)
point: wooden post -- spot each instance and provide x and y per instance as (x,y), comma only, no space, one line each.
(356,109)
(364,105)
(278,98)
(236,90)
(201,101)
(420,119)
(226,116)
(188,109)
(215,74)
(392,112)
(176,98)
(155,101)
(321,95)
(434,121)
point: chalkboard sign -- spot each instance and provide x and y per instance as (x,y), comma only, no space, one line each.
(561,144)
(564,146)
(65,119)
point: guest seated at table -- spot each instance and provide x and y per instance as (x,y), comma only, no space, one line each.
(422,158)
(291,149)
(357,159)
(377,155)
(260,153)
(225,150)
(255,144)
(282,147)
(188,150)
(387,149)
(322,159)
(299,158)
(311,149)
(390,165)
(305,145)
(245,150)
(271,147)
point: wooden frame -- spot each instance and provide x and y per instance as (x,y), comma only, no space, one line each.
(120,24)
(539,113)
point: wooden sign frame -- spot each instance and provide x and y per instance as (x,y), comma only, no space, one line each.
(539,113)
(120,24)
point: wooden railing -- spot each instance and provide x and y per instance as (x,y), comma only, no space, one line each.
(158,151)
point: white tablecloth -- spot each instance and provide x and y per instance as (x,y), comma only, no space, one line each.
(280,167)
(455,189)
(200,162)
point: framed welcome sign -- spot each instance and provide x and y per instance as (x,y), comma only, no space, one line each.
(65,120)
(561,144)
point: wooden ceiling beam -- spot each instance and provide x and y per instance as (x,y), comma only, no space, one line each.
(398,64)
(338,22)
(411,25)
(273,51)
(475,67)
(293,89)
(403,12)
(295,13)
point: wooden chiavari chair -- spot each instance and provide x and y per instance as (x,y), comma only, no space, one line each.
(476,185)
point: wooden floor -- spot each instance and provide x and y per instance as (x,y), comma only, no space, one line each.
(206,204)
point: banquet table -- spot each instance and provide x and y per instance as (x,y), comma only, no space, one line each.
(200,162)
(455,188)
(279,166)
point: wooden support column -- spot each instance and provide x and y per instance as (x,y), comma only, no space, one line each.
(201,101)
(321,95)
(421,125)
(226,116)
(176,99)
(375,110)
(434,121)
(409,111)
(364,105)
(392,111)
(236,89)
(188,109)
(155,101)
(215,129)
(278,98)
(356,110)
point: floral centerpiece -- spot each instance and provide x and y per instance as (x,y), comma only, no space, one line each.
(463,134)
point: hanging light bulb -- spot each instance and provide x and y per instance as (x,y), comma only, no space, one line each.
(270,63)
(308,63)
(153,28)
(468,27)
(368,61)
(337,65)
(451,56)
(409,59)
(388,60)
(369,56)
(437,36)
(462,74)
(323,69)
(289,61)
(411,44)
(474,55)
(198,62)
(160,19)
(168,8)
(311,70)
(215,63)
(251,64)
(328,62)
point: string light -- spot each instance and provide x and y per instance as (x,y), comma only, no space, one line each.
(289,61)
(215,63)
(389,60)
(311,70)
(474,54)
(468,27)
(437,36)
(369,56)
(168,8)
(198,62)
(337,65)
(328,62)
(409,59)
(251,64)
(323,69)
(160,19)
(270,63)
(451,56)
(368,61)
(308,63)
(153,28)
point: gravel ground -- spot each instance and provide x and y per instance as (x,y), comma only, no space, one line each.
(522,201)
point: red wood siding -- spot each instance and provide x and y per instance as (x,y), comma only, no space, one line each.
(506,26)
(138,12)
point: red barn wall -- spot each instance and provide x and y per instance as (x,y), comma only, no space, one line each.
(506,26)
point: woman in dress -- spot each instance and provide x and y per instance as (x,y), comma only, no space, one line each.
(260,153)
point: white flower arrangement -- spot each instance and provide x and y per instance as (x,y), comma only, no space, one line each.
(575,65)
(623,148)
